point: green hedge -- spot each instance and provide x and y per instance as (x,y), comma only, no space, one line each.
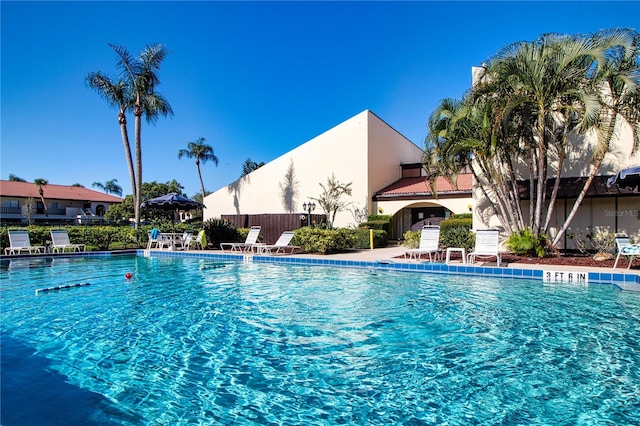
(312,240)
(453,233)
(380,238)
(376,224)
(456,233)
(325,241)
(97,237)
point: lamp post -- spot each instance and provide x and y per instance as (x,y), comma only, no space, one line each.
(308,207)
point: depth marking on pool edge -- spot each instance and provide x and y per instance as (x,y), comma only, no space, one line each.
(565,277)
(60,287)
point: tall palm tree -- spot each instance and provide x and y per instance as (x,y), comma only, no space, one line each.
(117,94)
(618,84)
(544,84)
(202,153)
(109,187)
(140,74)
(461,137)
(40,183)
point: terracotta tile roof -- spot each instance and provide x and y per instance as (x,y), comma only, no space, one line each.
(54,192)
(418,186)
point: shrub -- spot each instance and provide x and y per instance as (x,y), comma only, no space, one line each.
(380,238)
(222,231)
(524,243)
(376,224)
(381,217)
(411,239)
(456,232)
(325,241)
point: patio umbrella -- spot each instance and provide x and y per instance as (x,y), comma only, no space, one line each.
(626,178)
(172,202)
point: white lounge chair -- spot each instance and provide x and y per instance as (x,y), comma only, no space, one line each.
(249,243)
(487,246)
(60,242)
(19,242)
(625,248)
(429,244)
(199,241)
(280,246)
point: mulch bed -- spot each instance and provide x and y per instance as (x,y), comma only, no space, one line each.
(570,259)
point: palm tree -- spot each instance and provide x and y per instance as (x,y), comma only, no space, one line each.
(461,137)
(618,84)
(544,84)
(117,94)
(140,76)
(40,183)
(109,187)
(202,153)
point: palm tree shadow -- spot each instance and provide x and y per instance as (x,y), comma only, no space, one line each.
(32,393)
(289,189)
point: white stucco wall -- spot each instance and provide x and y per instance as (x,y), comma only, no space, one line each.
(352,151)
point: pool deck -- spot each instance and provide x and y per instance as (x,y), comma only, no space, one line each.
(395,254)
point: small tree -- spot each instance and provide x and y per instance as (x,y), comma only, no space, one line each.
(331,198)
(30,210)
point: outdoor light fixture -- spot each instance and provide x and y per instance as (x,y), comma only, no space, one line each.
(308,207)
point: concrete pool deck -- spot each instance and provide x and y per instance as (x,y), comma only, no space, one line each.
(394,254)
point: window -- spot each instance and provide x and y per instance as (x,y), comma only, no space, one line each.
(12,204)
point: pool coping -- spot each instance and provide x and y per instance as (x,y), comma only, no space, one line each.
(385,260)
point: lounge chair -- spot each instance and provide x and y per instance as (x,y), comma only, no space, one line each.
(249,243)
(60,242)
(199,241)
(19,242)
(487,246)
(625,248)
(280,246)
(429,244)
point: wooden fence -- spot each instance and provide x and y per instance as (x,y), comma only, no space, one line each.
(273,224)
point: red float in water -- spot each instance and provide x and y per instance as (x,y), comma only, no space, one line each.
(128,275)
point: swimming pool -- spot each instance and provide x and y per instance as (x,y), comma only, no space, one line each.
(193,341)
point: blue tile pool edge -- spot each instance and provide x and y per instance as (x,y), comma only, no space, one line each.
(620,279)
(624,281)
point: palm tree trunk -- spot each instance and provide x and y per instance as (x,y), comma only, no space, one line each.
(542,156)
(576,204)
(127,151)
(556,185)
(201,181)
(44,204)
(138,124)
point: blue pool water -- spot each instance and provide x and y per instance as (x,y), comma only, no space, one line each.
(190,341)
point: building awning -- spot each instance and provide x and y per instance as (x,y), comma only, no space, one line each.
(571,187)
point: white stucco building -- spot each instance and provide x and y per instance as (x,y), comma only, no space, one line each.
(364,151)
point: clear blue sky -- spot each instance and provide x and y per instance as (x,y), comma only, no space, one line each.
(255,79)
